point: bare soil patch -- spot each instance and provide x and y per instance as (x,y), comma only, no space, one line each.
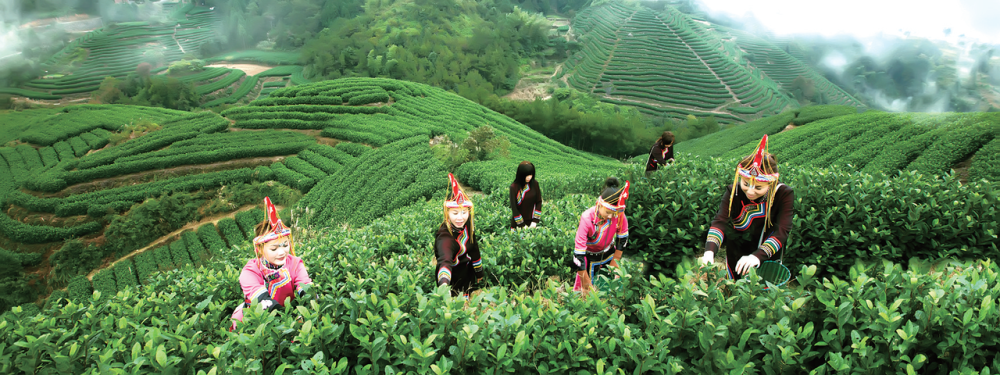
(528,91)
(962,170)
(249,69)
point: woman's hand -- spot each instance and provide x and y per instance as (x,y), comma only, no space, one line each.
(708,258)
(747,261)
(533,224)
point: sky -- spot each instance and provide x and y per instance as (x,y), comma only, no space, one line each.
(977,19)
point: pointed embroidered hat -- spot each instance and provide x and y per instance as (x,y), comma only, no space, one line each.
(458,197)
(756,169)
(278,229)
(616,202)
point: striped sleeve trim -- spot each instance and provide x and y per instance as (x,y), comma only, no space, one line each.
(623,235)
(444,273)
(536,213)
(518,219)
(580,251)
(298,288)
(771,246)
(715,236)
(478,265)
(257,293)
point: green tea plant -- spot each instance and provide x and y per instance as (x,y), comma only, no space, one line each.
(386,314)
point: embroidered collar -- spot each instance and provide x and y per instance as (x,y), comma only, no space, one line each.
(269,265)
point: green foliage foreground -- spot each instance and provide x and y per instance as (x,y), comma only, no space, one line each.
(375,309)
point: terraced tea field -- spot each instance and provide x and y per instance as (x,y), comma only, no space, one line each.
(65,182)
(873,142)
(116,50)
(666,64)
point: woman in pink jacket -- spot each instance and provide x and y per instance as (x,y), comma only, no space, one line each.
(601,236)
(275,274)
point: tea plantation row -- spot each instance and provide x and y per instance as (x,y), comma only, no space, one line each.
(667,64)
(116,50)
(386,315)
(873,141)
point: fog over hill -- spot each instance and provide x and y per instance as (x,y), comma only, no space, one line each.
(899,56)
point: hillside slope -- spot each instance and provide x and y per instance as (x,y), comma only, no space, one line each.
(667,64)
(874,142)
(64,182)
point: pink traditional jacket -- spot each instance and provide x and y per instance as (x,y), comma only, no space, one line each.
(595,235)
(289,280)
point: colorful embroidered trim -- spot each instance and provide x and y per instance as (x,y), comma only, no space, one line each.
(750,212)
(518,219)
(463,237)
(771,246)
(757,176)
(478,265)
(298,288)
(256,294)
(536,214)
(580,251)
(522,192)
(607,205)
(271,236)
(599,233)
(283,279)
(444,273)
(593,266)
(715,236)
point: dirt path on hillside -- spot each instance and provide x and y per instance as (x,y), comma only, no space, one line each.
(611,54)
(162,240)
(730,89)
(249,69)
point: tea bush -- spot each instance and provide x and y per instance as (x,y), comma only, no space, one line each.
(840,215)
(385,313)
(232,232)
(873,142)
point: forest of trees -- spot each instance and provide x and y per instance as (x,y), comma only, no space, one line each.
(142,88)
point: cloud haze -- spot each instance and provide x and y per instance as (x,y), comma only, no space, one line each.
(976,19)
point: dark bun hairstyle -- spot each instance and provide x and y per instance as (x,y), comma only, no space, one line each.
(611,186)
(667,138)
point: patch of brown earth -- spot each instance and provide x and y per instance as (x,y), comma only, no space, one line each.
(962,170)
(249,69)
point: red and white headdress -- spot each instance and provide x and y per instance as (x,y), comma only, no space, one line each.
(458,197)
(616,202)
(278,229)
(756,170)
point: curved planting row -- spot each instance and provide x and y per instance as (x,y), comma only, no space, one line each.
(248,85)
(233,76)
(410,110)
(911,323)
(665,65)
(873,142)
(393,176)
